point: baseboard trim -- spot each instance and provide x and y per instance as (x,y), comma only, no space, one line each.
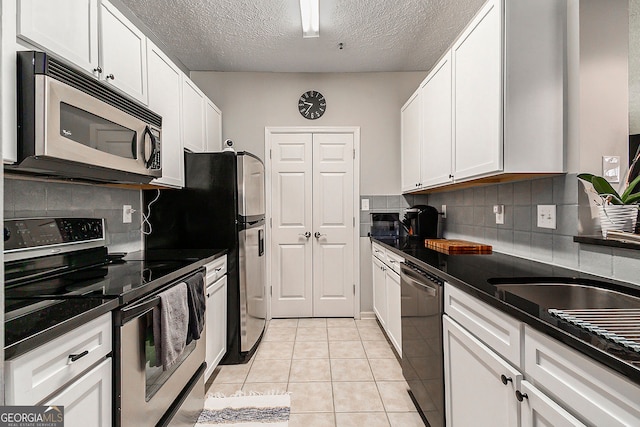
(367,315)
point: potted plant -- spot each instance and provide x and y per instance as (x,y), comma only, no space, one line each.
(617,211)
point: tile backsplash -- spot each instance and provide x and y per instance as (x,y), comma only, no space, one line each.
(31,199)
(470,216)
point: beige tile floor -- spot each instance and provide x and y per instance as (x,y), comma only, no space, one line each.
(340,372)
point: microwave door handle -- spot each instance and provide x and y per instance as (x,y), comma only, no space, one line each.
(134,145)
(154,146)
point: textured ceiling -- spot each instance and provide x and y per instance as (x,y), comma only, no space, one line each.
(266,35)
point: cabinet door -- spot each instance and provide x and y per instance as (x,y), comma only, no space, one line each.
(474,392)
(164,98)
(540,411)
(216,324)
(478,91)
(87,401)
(437,125)
(123,53)
(68,28)
(393,327)
(213,119)
(410,143)
(193,125)
(379,291)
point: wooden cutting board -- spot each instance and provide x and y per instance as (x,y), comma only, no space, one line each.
(457,246)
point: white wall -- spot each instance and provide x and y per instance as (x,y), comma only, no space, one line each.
(252,101)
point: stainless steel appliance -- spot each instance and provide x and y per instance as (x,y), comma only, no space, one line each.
(72,125)
(59,276)
(221,206)
(422,351)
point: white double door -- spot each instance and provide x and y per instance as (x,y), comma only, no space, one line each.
(312,239)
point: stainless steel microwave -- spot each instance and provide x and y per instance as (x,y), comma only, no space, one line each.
(73,126)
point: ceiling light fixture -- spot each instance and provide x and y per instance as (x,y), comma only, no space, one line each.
(310,13)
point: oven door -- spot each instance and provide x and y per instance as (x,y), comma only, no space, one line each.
(145,394)
(75,126)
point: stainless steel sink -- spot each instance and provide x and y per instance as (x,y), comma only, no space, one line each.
(569,295)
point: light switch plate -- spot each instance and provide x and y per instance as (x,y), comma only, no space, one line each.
(365,204)
(547,216)
(499,211)
(126,214)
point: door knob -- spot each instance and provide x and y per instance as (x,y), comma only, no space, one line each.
(317,235)
(306,234)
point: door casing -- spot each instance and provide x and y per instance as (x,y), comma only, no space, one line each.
(355,130)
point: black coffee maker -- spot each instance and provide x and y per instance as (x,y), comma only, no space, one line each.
(422,222)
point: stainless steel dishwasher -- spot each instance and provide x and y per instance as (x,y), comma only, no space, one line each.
(422,354)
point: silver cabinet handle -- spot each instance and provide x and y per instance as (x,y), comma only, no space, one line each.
(306,234)
(110,76)
(317,235)
(98,70)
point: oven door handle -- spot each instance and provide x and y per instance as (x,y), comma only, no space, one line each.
(137,310)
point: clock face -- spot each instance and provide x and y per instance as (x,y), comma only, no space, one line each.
(312,105)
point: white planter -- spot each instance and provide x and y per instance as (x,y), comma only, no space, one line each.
(618,218)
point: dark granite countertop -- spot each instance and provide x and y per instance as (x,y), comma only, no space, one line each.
(474,274)
(138,274)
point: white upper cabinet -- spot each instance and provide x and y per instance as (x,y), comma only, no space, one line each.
(478,94)
(68,28)
(504,113)
(123,53)
(436,118)
(213,119)
(193,112)
(165,83)
(410,128)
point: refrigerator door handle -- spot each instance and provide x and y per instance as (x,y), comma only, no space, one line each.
(260,242)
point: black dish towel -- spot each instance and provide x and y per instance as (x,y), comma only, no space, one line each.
(197,306)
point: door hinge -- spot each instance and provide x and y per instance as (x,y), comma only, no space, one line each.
(270,222)
(270,152)
(354,221)
(354,153)
(354,289)
(271,290)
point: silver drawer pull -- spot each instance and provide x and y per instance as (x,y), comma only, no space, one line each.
(74,357)
(218,269)
(393,262)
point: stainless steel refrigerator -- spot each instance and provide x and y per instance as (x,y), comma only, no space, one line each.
(222,206)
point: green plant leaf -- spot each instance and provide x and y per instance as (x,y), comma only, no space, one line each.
(586,177)
(634,198)
(605,189)
(629,189)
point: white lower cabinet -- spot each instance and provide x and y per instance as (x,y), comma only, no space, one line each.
(87,401)
(588,390)
(386,293)
(216,314)
(538,410)
(475,394)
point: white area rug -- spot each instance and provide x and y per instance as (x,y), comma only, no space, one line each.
(246,410)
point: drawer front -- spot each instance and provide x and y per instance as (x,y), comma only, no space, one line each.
(499,331)
(379,252)
(588,390)
(35,375)
(393,261)
(216,269)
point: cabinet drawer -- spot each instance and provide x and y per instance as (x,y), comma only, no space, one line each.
(35,375)
(393,261)
(216,269)
(588,390)
(379,252)
(499,331)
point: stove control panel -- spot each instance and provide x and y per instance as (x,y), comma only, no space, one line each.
(34,233)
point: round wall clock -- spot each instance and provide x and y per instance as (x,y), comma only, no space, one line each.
(312,105)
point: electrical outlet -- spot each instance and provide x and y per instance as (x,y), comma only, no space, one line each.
(547,216)
(126,214)
(499,211)
(365,205)
(611,168)
(444,211)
